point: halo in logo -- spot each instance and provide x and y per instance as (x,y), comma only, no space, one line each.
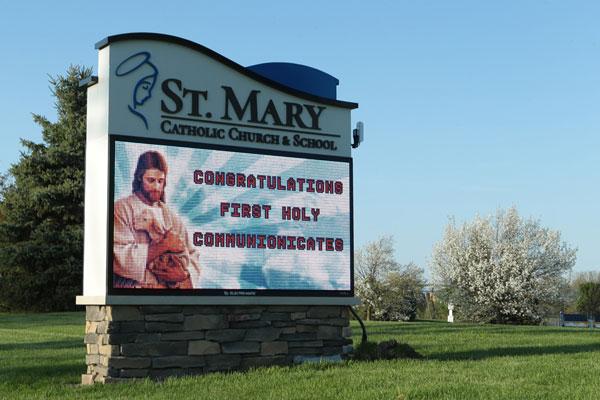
(139,66)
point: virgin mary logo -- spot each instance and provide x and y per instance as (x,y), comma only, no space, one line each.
(144,73)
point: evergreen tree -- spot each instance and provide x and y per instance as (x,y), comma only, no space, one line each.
(41,208)
(588,300)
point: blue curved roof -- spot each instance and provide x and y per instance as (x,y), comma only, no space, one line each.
(300,77)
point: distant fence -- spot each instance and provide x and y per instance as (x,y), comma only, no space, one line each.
(579,320)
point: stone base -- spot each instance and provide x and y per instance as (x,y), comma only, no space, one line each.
(126,342)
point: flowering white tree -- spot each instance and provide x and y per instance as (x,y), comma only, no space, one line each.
(372,264)
(388,290)
(502,268)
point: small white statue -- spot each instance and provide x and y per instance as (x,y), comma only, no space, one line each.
(450,309)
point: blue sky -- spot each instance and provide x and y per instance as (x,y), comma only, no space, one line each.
(468,106)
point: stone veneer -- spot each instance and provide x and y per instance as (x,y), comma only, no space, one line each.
(125,342)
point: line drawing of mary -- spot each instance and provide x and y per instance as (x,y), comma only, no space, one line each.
(140,66)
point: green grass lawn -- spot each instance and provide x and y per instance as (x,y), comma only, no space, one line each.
(42,356)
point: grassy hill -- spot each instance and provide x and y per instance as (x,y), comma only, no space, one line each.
(42,356)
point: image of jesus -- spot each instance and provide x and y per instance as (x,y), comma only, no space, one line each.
(151,248)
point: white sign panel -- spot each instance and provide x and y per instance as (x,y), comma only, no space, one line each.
(169,91)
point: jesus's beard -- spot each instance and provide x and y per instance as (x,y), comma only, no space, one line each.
(152,196)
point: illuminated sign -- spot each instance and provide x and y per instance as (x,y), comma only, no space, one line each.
(206,179)
(246,223)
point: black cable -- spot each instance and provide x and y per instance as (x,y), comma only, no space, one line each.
(362,325)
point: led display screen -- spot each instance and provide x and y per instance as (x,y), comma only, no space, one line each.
(211,221)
